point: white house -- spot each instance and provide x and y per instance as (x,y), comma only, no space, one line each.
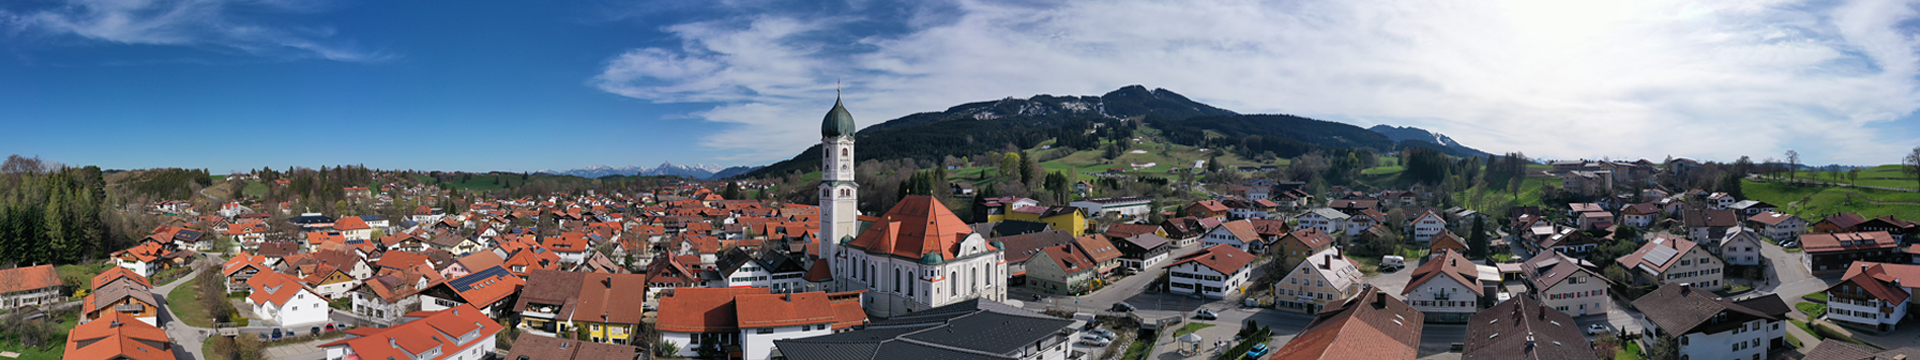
(1709,326)
(1672,259)
(1327,220)
(1778,226)
(1446,288)
(1873,295)
(779,273)
(1742,247)
(1127,206)
(284,300)
(1212,272)
(1326,277)
(1720,200)
(459,333)
(1427,225)
(1639,215)
(751,318)
(1238,234)
(1570,285)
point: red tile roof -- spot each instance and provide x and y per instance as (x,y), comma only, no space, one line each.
(1371,325)
(917,226)
(115,273)
(440,329)
(700,309)
(117,336)
(1813,243)
(29,278)
(1223,258)
(273,287)
(1450,264)
(351,223)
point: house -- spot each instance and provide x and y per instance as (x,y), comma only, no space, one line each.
(1185,231)
(770,269)
(1720,201)
(1836,349)
(1900,229)
(1828,253)
(457,333)
(1749,208)
(1067,218)
(1446,240)
(28,286)
(1297,245)
(1141,251)
(1015,334)
(1524,328)
(1709,326)
(1566,284)
(1838,223)
(1208,209)
(534,346)
(1427,225)
(1671,259)
(1068,268)
(547,303)
(489,290)
(605,307)
(572,247)
(1371,325)
(1639,215)
(1595,220)
(1742,247)
(1777,226)
(1873,295)
(1237,233)
(1586,182)
(1250,209)
(670,272)
(1212,272)
(1322,278)
(1125,207)
(384,299)
(1448,287)
(995,209)
(284,300)
(1366,219)
(146,258)
(752,320)
(119,337)
(1328,220)
(1707,227)
(1353,206)
(124,294)
(242,267)
(916,247)
(1019,249)
(353,228)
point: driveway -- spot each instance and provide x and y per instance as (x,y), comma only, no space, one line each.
(1129,289)
(1788,277)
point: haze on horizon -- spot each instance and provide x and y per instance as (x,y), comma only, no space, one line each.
(232,85)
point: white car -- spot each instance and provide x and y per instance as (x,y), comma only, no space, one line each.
(1094,340)
(1597,329)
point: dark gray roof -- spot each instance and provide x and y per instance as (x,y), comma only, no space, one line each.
(1680,309)
(1011,228)
(970,329)
(1501,332)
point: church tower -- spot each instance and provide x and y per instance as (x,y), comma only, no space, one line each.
(839,195)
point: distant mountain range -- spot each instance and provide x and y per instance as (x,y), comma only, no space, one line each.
(1403,134)
(988,126)
(697,171)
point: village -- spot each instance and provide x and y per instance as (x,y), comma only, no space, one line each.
(1262,269)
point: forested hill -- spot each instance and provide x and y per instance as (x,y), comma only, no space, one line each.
(1082,123)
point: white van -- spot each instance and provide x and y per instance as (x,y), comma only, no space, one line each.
(1392,263)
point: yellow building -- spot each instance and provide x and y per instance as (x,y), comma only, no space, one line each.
(1071,219)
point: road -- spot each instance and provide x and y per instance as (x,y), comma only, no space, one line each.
(187,339)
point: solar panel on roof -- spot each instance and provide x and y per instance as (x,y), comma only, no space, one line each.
(1660,255)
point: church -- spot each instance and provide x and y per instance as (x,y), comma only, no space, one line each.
(917,256)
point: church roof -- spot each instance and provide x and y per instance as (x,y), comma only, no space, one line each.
(838,122)
(919,225)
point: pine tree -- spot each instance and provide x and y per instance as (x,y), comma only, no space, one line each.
(1477,243)
(54,217)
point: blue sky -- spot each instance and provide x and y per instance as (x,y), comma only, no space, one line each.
(238,84)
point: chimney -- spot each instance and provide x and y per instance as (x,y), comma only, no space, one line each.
(1339,253)
(1328,264)
(1379,299)
(1686,287)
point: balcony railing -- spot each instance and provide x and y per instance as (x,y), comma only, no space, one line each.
(129,308)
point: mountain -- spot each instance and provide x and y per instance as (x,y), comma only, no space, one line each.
(1446,144)
(980,127)
(700,171)
(732,171)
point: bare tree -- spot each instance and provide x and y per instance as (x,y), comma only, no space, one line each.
(1793,164)
(1913,164)
(17,164)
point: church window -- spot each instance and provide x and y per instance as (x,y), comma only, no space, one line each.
(896,280)
(844,151)
(953,282)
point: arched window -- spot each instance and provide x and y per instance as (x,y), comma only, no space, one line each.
(844,151)
(974,278)
(953,283)
(896,280)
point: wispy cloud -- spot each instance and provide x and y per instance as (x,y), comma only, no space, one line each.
(1711,80)
(217,24)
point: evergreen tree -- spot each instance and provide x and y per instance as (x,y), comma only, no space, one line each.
(1477,243)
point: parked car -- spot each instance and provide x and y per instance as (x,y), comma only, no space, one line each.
(1104,333)
(1597,329)
(1122,307)
(1094,340)
(276,334)
(1204,314)
(1392,263)
(1257,351)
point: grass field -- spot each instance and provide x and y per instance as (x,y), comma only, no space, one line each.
(1190,328)
(183,303)
(1496,201)
(1883,176)
(1815,202)
(254,189)
(54,350)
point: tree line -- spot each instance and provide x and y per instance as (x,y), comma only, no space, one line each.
(53,214)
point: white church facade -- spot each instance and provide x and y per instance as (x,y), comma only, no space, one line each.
(917,256)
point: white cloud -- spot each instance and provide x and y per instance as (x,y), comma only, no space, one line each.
(204,23)
(1711,80)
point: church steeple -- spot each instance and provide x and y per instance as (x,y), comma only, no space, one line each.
(838,121)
